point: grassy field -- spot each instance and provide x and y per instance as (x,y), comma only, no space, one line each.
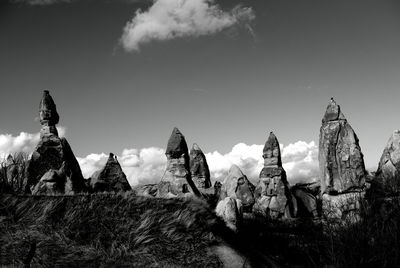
(112,230)
(125,230)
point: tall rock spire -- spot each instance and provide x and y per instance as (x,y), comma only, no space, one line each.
(199,168)
(53,168)
(177,178)
(388,174)
(48,115)
(340,159)
(273,197)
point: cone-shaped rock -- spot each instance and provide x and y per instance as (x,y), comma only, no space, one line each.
(111,178)
(52,153)
(388,174)
(236,185)
(341,162)
(231,211)
(273,197)
(199,168)
(48,114)
(177,176)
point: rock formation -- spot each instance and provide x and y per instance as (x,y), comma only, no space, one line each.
(341,162)
(148,190)
(53,182)
(111,178)
(273,197)
(199,168)
(307,199)
(230,210)
(177,178)
(53,153)
(236,185)
(387,177)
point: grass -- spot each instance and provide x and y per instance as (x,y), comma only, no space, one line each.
(106,229)
(126,230)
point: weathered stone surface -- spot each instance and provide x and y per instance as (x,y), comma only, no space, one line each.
(273,197)
(236,185)
(111,178)
(387,177)
(149,190)
(199,168)
(51,152)
(178,168)
(345,206)
(230,210)
(218,189)
(48,114)
(341,161)
(52,182)
(307,202)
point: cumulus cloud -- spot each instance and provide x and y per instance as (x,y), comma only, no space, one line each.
(142,166)
(24,142)
(300,160)
(147,165)
(169,19)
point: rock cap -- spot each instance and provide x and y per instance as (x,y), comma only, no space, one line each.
(47,110)
(176,144)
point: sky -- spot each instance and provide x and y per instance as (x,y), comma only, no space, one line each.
(123,73)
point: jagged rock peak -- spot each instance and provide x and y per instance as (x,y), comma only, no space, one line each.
(333,112)
(48,110)
(272,150)
(199,168)
(235,171)
(196,147)
(388,174)
(110,178)
(340,159)
(176,144)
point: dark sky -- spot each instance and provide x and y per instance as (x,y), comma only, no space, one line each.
(219,90)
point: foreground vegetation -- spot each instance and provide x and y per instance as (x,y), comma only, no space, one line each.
(108,229)
(126,230)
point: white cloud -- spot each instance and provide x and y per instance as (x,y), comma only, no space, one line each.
(140,166)
(169,19)
(24,142)
(147,165)
(300,160)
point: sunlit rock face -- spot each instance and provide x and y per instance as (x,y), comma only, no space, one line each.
(387,177)
(230,210)
(340,159)
(177,179)
(343,207)
(236,185)
(199,168)
(273,197)
(111,178)
(53,153)
(48,115)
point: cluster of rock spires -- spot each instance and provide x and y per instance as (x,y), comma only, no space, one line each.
(53,169)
